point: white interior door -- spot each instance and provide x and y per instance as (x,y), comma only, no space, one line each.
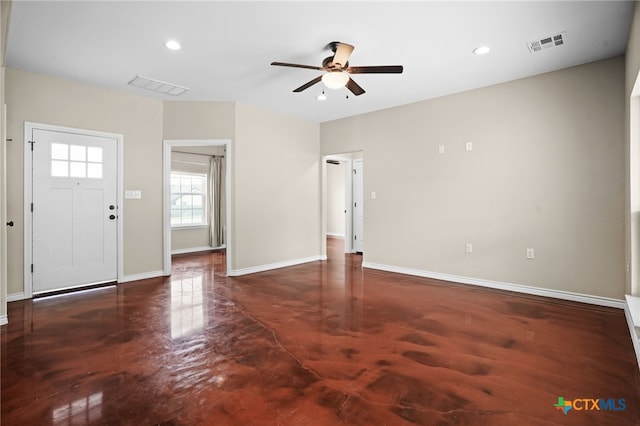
(358,206)
(74,210)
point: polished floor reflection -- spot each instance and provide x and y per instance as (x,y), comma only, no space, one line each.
(324,343)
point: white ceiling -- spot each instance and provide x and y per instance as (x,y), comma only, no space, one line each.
(227,47)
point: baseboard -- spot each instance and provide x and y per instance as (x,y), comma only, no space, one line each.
(15,297)
(196,249)
(142,276)
(518,288)
(631,314)
(335,234)
(4,320)
(277,265)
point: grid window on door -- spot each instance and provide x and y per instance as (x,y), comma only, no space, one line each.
(188,199)
(76,161)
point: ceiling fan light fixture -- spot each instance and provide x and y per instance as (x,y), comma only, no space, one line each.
(335,79)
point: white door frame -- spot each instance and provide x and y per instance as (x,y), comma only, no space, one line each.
(28,195)
(166,193)
(349,246)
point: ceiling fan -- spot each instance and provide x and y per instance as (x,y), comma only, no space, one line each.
(337,70)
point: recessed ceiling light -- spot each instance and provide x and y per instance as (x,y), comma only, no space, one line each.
(481,50)
(172,45)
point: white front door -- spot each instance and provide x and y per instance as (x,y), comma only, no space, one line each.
(74,210)
(358,206)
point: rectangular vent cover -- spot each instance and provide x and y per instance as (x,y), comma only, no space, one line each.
(157,86)
(546,42)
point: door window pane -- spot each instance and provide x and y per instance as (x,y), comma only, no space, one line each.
(77,169)
(59,151)
(76,161)
(77,153)
(59,168)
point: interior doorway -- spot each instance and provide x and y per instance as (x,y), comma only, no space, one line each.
(342,218)
(194,145)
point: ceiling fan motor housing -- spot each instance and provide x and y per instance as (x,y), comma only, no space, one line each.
(328,64)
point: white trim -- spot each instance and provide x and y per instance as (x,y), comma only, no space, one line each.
(166,203)
(28,195)
(189,226)
(335,234)
(4,320)
(16,296)
(518,288)
(348,207)
(631,321)
(277,265)
(196,249)
(141,276)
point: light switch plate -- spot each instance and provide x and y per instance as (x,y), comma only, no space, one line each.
(133,194)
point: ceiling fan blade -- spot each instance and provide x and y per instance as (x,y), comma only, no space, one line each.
(354,87)
(381,69)
(285,64)
(341,57)
(308,84)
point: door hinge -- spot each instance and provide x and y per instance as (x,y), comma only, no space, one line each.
(32,143)
(32,268)
(355,237)
(354,170)
(31,207)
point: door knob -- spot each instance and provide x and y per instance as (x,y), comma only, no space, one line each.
(10,223)
(113,216)
(111,207)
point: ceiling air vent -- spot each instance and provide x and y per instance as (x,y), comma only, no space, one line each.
(546,42)
(157,86)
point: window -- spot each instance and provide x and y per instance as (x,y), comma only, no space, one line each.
(188,199)
(76,161)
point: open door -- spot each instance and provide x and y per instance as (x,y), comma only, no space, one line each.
(358,206)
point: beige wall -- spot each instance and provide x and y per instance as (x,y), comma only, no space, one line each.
(335,199)
(184,239)
(42,99)
(276,181)
(632,150)
(546,171)
(199,120)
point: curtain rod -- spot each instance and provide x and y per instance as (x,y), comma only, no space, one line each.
(196,153)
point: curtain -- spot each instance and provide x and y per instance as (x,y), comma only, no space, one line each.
(216,229)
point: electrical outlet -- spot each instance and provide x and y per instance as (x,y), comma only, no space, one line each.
(468,146)
(440,149)
(468,248)
(531,254)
